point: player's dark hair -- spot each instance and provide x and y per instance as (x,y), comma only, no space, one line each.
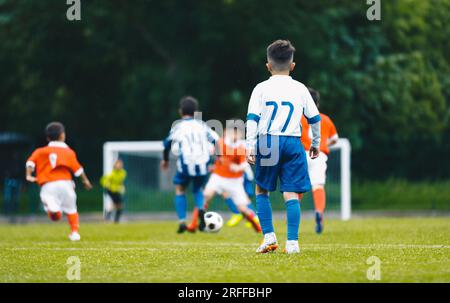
(315,95)
(280,54)
(188,105)
(54,130)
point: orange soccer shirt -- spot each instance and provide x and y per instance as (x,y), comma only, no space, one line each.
(229,154)
(327,131)
(54,162)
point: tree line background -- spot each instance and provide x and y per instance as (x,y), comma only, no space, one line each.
(119,73)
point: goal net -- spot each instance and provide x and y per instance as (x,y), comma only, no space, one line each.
(148,189)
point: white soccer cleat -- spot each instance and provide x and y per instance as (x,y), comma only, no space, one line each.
(269,244)
(74,236)
(292,247)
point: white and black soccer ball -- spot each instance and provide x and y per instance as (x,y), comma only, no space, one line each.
(213,222)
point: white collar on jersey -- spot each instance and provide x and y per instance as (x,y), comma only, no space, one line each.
(280,76)
(57,144)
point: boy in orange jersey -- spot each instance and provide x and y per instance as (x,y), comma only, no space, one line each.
(54,165)
(227,178)
(317,167)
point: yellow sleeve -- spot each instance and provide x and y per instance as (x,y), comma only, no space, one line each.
(105,181)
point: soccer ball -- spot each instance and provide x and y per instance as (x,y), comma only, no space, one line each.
(213,222)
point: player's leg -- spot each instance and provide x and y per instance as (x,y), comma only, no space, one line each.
(264,212)
(293,215)
(267,171)
(294,180)
(200,203)
(250,216)
(69,207)
(199,200)
(235,188)
(208,196)
(181,181)
(209,192)
(250,191)
(317,172)
(181,207)
(236,215)
(118,207)
(50,201)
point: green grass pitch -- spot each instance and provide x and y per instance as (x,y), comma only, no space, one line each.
(410,250)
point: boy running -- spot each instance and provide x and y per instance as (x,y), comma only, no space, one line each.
(190,140)
(317,168)
(54,165)
(227,178)
(273,131)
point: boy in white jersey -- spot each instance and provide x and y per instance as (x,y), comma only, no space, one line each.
(273,131)
(190,140)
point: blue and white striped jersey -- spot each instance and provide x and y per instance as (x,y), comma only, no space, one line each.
(192,141)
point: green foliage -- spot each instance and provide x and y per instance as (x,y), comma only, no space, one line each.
(118,73)
(405,101)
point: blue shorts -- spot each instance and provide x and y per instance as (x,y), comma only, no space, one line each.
(184,180)
(285,160)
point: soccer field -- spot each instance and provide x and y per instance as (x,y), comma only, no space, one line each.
(410,250)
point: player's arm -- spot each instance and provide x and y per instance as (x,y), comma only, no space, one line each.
(122,185)
(212,136)
(78,171)
(253,117)
(249,173)
(214,147)
(166,151)
(334,137)
(333,140)
(312,115)
(85,180)
(29,168)
(105,181)
(29,174)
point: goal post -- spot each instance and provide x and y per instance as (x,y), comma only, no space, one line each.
(112,151)
(150,189)
(343,145)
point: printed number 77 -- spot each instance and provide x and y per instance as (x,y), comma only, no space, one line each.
(274,113)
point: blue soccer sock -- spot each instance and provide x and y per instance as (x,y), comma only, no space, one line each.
(233,208)
(293,219)
(264,213)
(181,206)
(199,199)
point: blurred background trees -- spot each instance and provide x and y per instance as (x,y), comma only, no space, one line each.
(118,73)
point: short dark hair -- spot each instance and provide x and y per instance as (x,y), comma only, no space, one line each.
(315,95)
(188,105)
(54,130)
(280,54)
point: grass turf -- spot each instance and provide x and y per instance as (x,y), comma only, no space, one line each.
(410,250)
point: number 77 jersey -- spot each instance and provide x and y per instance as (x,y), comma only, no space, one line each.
(276,108)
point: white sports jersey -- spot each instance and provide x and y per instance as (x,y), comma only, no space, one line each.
(191,141)
(276,108)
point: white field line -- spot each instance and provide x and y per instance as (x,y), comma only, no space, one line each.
(196,244)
